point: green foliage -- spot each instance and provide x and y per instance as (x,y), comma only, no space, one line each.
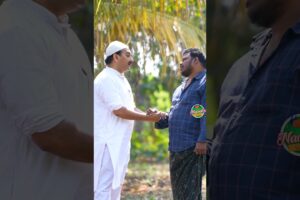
(157,28)
(147,142)
(156,32)
(150,144)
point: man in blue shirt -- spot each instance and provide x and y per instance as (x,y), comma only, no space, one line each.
(187,127)
(255,152)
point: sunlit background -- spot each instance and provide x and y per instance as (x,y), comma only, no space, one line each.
(156,32)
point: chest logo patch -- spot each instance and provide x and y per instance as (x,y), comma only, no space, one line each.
(289,136)
(198,111)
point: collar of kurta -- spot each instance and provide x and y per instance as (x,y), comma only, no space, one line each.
(115,72)
(60,23)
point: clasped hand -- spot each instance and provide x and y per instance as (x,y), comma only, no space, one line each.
(153,112)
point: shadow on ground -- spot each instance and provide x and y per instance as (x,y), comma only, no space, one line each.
(150,181)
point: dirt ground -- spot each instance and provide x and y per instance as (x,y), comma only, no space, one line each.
(150,181)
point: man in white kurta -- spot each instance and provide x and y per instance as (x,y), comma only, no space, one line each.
(114,112)
(45,83)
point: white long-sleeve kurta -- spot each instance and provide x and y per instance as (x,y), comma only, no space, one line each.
(45,77)
(111,92)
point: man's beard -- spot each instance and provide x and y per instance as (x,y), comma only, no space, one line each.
(266,12)
(187,71)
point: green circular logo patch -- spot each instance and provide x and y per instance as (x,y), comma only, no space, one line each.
(289,136)
(198,111)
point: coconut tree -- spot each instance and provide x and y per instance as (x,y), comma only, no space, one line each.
(157,32)
(155,28)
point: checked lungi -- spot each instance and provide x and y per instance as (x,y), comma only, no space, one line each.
(186,170)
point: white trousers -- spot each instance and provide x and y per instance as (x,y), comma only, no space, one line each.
(104,189)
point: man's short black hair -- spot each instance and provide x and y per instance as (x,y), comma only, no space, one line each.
(196,53)
(109,59)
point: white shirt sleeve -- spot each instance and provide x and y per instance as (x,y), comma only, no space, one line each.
(27,90)
(109,94)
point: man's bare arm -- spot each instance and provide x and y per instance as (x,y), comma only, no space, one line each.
(66,141)
(124,113)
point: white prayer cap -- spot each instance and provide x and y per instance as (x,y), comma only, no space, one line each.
(114,47)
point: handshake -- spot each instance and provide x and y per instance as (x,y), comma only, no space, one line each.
(155,115)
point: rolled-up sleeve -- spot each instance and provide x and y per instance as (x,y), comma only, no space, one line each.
(27,91)
(202,135)
(109,93)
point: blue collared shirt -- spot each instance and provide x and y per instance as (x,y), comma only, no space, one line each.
(184,129)
(246,162)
